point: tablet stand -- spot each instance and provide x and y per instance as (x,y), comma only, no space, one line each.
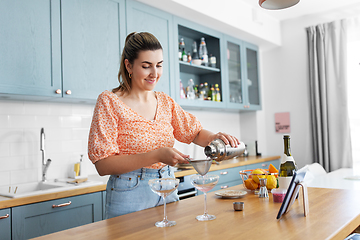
(304,197)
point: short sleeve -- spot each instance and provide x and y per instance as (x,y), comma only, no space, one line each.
(186,125)
(103,131)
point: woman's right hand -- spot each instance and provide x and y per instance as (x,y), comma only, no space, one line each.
(171,156)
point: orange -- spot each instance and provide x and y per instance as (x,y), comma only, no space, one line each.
(256,177)
(273,169)
(251,184)
(271,182)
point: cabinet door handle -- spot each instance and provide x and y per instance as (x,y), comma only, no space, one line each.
(68,92)
(223,187)
(264,165)
(3,217)
(223,173)
(61,205)
(58,91)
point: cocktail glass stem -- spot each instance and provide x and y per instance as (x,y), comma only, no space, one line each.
(205,207)
(165,217)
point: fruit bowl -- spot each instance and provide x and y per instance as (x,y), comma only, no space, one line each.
(251,177)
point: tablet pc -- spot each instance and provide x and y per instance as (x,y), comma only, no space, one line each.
(291,193)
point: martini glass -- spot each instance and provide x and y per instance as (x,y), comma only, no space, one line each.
(164,187)
(205,183)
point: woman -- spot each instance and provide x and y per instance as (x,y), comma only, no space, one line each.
(134,129)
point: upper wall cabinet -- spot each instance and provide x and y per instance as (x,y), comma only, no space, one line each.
(143,18)
(242,88)
(252,77)
(235,94)
(208,78)
(71,49)
(92,31)
(30,47)
(75,58)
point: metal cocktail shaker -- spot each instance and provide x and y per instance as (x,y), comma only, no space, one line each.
(218,151)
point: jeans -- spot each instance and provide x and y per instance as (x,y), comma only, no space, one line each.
(130,192)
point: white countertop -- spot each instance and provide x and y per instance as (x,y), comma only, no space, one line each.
(337,179)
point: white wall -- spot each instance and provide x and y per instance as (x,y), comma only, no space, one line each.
(284,74)
(66,130)
(241,20)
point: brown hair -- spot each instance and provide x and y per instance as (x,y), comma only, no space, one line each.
(134,43)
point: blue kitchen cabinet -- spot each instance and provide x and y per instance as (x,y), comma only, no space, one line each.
(30,47)
(242,89)
(230,177)
(264,165)
(143,18)
(5,224)
(92,34)
(33,220)
(68,50)
(185,71)
(251,76)
(235,86)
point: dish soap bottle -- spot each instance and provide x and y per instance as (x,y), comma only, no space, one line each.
(287,166)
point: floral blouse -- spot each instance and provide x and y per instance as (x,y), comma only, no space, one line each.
(118,130)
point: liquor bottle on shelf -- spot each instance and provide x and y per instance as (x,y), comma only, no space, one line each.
(287,166)
(189,58)
(195,54)
(201,91)
(184,56)
(181,48)
(212,93)
(203,53)
(212,61)
(196,90)
(206,91)
(182,91)
(190,91)
(218,94)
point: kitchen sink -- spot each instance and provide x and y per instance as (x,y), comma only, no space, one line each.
(37,188)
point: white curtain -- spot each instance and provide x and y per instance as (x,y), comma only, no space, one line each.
(328,95)
(353,65)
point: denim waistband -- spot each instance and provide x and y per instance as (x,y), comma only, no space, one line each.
(148,172)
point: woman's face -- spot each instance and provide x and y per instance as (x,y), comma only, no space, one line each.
(146,70)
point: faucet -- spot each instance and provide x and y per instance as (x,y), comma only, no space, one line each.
(45,164)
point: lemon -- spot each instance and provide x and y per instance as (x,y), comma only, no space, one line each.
(256,177)
(271,182)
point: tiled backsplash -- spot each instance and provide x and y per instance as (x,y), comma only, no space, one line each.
(66,128)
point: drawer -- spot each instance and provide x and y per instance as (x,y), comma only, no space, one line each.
(228,175)
(33,220)
(264,165)
(5,224)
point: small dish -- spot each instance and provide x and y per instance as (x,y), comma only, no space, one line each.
(196,62)
(238,206)
(231,193)
(278,194)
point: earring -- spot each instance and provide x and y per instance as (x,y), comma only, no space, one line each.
(130,75)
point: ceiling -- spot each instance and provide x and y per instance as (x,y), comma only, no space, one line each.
(308,7)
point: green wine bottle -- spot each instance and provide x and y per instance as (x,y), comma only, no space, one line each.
(287,166)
